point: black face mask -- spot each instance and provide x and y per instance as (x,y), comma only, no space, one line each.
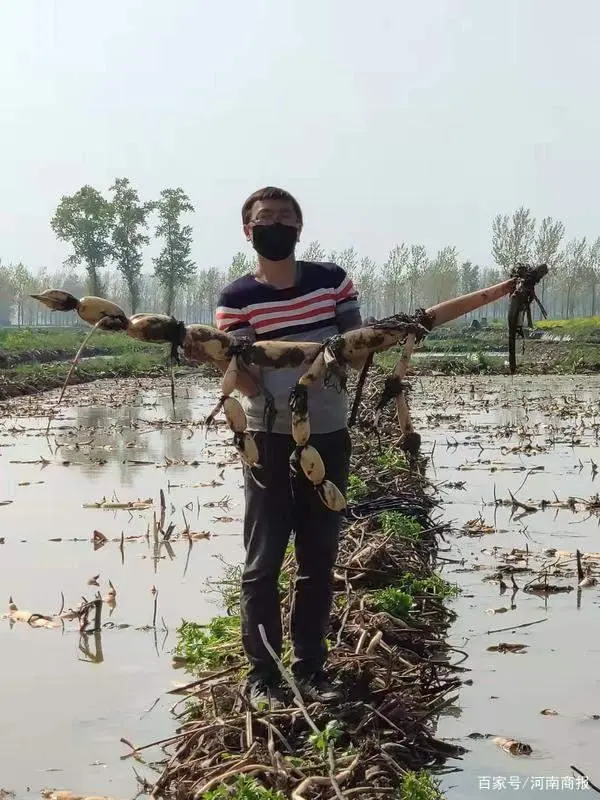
(274,242)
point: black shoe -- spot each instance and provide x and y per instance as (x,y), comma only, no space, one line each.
(317,688)
(265,695)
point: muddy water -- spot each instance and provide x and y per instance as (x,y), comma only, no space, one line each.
(481,438)
(64,711)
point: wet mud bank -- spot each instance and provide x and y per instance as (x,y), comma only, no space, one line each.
(387,653)
(9,360)
(14,385)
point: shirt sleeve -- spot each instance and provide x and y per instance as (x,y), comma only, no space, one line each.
(347,306)
(231,319)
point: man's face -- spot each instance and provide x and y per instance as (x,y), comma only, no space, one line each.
(266,212)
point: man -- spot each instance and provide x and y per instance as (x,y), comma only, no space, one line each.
(306,301)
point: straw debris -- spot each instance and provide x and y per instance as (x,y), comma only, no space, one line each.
(387,652)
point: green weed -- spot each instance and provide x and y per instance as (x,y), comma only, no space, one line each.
(393,522)
(432,585)
(243,789)
(391,460)
(420,786)
(392,601)
(357,489)
(211,646)
(327,736)
(283,581)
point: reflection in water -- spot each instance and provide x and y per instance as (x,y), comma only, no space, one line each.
(124,434)
(95,656)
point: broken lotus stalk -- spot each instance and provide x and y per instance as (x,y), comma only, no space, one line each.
(352,349)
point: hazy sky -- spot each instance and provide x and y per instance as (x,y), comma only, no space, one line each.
(391,121)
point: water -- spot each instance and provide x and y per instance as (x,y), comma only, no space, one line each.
(485,418)
(72,712)
(119,437)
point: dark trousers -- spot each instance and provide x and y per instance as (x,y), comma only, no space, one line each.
(271,514)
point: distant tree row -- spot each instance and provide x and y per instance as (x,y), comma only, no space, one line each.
(108,237)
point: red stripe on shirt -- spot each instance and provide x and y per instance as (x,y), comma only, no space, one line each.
(303,317)
(299,304)
(345,293)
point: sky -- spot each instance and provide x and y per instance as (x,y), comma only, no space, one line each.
(391,121)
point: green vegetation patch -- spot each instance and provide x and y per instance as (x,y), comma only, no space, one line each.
(577,328)
(14,341)
(431,585)
(243,789)
(357,489)
(420,786)
(392,601)
(392,460)
(205,647)
(396,524)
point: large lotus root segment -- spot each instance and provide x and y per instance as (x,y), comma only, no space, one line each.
(92,310)
(308,460)
(305,457)
(236,417)
(157,328)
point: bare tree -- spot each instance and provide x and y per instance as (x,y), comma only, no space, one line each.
(415,269)
(313,252)
(393,276)
(513,238)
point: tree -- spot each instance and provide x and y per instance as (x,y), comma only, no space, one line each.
(365,281)
(512,238)
(23,284)
(314,252)
(348,260)
(241,264)
(212,284)
(173,267)
(469,277)
(415,269)
(546,248)
(575,267)
(7,294)
(129,218)
(84,219)
(547,241)
(442,276)
(393,272)
(593,274)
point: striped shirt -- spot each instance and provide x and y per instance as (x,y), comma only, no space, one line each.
(322,303)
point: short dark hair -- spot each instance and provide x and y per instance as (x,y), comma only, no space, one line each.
(269,193)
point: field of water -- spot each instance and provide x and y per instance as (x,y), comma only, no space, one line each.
(67,699)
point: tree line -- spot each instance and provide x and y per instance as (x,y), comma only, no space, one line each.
(108,236)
